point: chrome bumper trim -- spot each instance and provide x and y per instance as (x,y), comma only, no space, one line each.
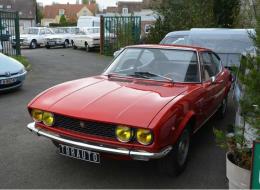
(138,155)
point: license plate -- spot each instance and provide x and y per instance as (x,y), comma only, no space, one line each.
(78,153)
(52,43)
(8,81)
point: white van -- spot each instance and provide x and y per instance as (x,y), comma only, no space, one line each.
(227,43)
(88,22)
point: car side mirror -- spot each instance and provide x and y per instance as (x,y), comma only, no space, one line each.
(213,80)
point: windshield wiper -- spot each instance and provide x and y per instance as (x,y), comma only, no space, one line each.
(149,75)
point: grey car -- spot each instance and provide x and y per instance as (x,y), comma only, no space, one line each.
(12,73)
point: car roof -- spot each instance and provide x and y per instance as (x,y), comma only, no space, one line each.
(176,33)
(163,46)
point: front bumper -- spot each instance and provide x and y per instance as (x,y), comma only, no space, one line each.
(54,43)
(17,84)
(135,154)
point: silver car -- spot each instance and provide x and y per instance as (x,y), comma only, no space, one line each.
(12,73)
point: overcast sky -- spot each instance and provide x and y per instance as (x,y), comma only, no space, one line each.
(102,3)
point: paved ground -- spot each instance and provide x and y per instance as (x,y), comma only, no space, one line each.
(27,161)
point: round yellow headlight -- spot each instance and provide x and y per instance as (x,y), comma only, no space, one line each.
(144,136)
(124,133)
(48,118)
(37,115)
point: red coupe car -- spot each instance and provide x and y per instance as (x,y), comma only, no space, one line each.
(146,105)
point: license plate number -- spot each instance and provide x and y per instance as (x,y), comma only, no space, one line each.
(52,43)
(80,154)
(8,81)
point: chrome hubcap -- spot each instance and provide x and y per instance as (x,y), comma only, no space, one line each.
(183,148)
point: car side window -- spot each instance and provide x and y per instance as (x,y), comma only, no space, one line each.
(42,32)
(217,62)
(48,31)
(210,67)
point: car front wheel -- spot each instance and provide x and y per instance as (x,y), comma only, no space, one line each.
(87,47)
(33,44)
(175,162)
(66,44)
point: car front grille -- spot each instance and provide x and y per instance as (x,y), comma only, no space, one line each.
(11,74)
(2,86)
(86,127)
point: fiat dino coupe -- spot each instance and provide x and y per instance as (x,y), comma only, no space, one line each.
(146,105)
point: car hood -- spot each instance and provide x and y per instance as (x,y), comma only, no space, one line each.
(62,36)
(104,100)
(8,64)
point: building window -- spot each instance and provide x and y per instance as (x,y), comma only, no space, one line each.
(1,6)
(61,12)
(147,28)
(85,13)
(8,6)
(125,11)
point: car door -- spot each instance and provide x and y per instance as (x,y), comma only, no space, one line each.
(211,83)
(41,36)
(219,82)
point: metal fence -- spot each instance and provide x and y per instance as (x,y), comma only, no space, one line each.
(118,32)
(9,30)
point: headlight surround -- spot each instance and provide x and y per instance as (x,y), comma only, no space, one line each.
(124,134)
(22,71)
(144,136)
(48,119)
(37,115)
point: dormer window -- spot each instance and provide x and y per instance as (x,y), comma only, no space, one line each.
(61,12)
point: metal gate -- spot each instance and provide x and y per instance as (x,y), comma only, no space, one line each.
(9,31)
(118,32)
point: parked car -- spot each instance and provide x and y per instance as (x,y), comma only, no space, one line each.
(227,43)
(33,37)
(60,38)
(145,106)
(12,73)
(88,38)
(72,31)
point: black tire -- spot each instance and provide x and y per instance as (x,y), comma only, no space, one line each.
(48,47)
(223,108)
(33,44)
(88,49)
(66,44)
(175,162)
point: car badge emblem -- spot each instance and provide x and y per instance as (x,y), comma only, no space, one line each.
(7,74)
(82,124)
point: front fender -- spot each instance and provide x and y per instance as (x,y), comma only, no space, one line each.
(176,133)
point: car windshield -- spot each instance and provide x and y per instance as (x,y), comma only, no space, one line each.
(60,30)
(157,64)
(31,31)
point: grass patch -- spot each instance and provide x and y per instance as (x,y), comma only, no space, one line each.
(23,60)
